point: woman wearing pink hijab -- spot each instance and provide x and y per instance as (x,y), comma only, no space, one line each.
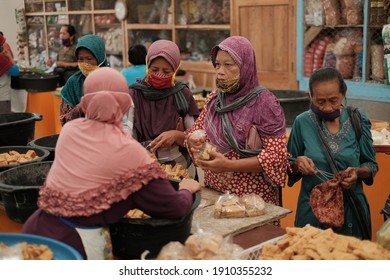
(236,113)
(100,173)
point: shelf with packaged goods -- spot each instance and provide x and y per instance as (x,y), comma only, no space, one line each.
(363,84)
(87,16)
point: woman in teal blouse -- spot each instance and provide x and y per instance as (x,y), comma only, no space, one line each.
(328,90)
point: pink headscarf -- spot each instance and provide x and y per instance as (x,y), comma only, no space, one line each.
(97,163)
(166,49)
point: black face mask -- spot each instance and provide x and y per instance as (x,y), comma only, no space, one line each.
(1,49)
(327,116)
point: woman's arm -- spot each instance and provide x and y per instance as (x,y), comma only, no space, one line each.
(68,112)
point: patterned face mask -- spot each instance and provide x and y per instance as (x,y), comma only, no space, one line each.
(160,81)
(228,85)
(87,68)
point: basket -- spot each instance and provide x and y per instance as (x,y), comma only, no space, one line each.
(254,252)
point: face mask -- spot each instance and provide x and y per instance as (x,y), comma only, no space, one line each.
(87,68)
(1,49)
(228,85)
(160,81)
(327,116)
(66,42)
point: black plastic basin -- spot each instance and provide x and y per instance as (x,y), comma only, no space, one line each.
(293,103)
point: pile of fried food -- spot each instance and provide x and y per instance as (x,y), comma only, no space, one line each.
(310,243)
(136,214)
(27,251)
(13,157)
(177,172)
(201,246)
(232,206)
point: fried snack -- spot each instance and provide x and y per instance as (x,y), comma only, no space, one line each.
(177,172)
(310,243)
(13,157)
(136,214)
(201,246)
(29,251)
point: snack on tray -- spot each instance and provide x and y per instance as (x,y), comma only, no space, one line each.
(232,206)
(136,214)
(177,172)
(310,243)
(13,157)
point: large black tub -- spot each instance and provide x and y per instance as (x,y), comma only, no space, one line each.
(35,82)
(42,154)
(19,187)
(17,129)
(293,102)
(48,143)
(132,237)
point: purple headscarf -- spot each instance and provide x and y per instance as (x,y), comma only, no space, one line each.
(263,111)
(166,49)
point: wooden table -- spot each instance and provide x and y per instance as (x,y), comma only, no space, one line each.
(204,217)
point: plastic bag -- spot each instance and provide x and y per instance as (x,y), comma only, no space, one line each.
(383,235)
(202,245)
(232,206)
(203,154)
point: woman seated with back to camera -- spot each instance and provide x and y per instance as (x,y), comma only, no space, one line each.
(100,173)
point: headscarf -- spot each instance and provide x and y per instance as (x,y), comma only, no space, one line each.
(73,89)
(166,49)
(97,163)
(5,62)
(264,111)
(155,105)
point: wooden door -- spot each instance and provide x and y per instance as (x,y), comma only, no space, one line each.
(270,27)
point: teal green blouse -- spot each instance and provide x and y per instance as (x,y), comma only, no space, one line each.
(305,140)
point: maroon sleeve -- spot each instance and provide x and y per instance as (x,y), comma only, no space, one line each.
(158,199)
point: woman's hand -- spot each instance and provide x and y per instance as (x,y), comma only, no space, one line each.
(347,182)
(190,184)
(195,144)
(217,163)
(166,139)
(304,165)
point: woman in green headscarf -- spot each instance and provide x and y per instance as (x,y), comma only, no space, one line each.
(91,54)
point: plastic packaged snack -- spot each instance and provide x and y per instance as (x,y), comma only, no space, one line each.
(203,154)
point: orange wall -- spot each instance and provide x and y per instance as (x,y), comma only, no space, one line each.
(376,195)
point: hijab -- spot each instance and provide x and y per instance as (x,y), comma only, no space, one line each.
(97,163)
(263,111)
(5,62)
(73,89)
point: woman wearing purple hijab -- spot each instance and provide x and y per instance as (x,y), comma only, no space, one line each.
(163,107)
(237,108)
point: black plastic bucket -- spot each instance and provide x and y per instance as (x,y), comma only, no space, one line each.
(17,129)
(131,237)
(19,187)
(42,154)
(48,143)
(293,103)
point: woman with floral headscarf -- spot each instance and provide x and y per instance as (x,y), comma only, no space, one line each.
(163,106)
(237,111)
(91,54)
(100,173)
